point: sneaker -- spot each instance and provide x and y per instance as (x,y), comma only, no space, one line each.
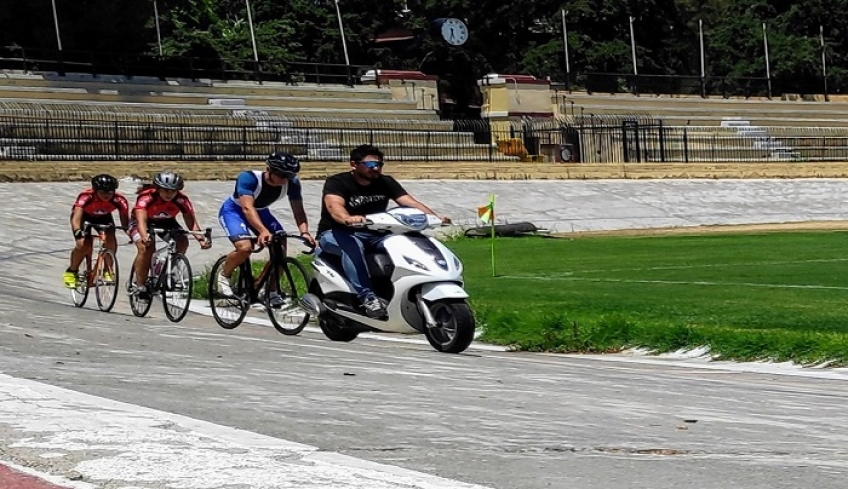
(70,279)
(141,292)
(224,286)
(276,300)
(374,307)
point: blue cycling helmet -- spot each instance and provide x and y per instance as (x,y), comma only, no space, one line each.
(283,164)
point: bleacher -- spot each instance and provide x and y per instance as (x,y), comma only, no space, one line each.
(114,117)
(697,111)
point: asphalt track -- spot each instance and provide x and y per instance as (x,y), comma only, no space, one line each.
(91,400)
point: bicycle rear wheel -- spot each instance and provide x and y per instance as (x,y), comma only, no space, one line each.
(289,318)
(228,310)
(106,280)
(80,293)
(140,305)
(177,289)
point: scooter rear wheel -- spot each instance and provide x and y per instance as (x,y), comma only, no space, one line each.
(455,326)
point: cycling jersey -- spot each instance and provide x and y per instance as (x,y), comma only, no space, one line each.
(94,208)
(252,183)
(158,209)
(231,216)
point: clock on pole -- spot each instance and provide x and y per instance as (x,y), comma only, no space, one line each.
(454,31)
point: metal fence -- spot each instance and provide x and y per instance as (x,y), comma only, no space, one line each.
(250,135)
(133,65)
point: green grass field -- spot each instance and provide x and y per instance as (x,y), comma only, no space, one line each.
(778,296)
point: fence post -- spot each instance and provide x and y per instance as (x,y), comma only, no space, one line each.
(662,142)
(244,142)
(686,144)
(117,141)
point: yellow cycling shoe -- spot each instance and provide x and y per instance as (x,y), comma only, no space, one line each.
(70,279)
(107,277)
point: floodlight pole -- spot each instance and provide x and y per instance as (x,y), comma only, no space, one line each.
(56,23)
(341,31)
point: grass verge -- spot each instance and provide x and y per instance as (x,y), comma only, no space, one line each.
(769,296)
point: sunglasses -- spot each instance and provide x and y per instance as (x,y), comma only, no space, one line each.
(371,164)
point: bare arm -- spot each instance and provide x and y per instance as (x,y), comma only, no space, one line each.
(76,220)
(335,205)
(141,218)
(299,216)
(248,207)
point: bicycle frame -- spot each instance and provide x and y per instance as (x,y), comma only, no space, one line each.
(100,235)
(159,281)
(269,276)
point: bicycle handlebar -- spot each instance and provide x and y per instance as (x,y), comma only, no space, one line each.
(101,227)
(279,237)
(170,233)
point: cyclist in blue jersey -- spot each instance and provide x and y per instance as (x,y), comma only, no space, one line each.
(247,212)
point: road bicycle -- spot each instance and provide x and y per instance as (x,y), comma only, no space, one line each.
(170,276)
(102,275)
(290,277)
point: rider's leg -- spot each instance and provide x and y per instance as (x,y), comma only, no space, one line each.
(236,228)
(352,252)
(81,248)
(182,244)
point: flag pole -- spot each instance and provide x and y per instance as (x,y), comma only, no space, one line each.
(492,206)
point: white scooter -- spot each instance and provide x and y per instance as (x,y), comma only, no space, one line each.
(416,276)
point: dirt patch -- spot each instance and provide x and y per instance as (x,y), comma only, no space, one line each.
(730,228)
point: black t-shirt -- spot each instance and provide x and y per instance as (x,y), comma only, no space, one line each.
(359,199)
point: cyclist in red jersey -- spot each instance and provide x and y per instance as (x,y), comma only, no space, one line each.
(158,204)
(94,206)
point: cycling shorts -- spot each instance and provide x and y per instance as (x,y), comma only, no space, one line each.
(102,219)
(232,219)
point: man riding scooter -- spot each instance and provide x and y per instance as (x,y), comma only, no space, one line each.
(346,198)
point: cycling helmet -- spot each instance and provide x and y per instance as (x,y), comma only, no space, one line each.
(283,164)
(104,182)
(168,180)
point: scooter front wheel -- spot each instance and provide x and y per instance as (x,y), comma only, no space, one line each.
(336,331)
(454,329)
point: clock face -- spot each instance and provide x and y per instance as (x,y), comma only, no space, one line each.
(454,32)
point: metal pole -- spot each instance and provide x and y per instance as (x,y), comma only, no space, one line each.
(158,32)
(252,34)
(565,49)
(824,65)
(341,31)
(56,23)
(703,57)
(633,46)
(768,70)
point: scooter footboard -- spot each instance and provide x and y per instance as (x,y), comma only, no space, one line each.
(443,290)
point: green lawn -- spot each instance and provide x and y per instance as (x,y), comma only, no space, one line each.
(778,296)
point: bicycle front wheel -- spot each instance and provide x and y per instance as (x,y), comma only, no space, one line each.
(106,280)
(228,309)
(289,318)
(80,293)
(140,304)
(177,288)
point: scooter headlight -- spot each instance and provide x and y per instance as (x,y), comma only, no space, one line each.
(416,221)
